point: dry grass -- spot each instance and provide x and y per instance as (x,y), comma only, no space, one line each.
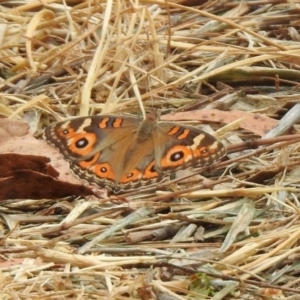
(236,241)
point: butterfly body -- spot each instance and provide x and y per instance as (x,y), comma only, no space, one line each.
(125,153)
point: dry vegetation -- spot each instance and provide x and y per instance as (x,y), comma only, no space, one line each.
(232,234)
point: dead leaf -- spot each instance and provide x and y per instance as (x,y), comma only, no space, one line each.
(28,176)
(256,123)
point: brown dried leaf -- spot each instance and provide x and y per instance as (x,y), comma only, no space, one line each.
(28,176)
(256,123)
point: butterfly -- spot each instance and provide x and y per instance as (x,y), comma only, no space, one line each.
(127,153)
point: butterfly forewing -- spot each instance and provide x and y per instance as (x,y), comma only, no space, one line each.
(187,147)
